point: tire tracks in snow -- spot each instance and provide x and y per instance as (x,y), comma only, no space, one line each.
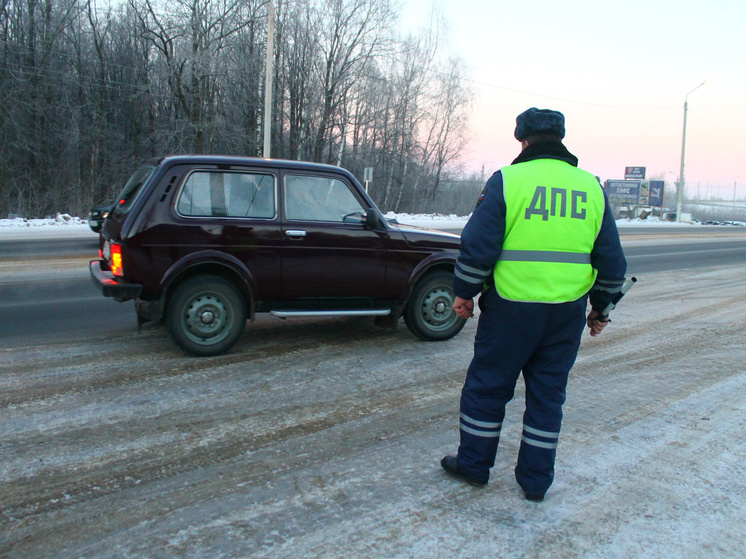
(321,438)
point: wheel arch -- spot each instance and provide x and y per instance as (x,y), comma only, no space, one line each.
(226,267)
(438,262)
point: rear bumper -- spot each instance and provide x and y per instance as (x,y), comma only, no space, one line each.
(110,286)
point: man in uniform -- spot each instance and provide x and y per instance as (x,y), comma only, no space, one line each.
(541,239)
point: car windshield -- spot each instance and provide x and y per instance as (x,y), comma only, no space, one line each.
(132,189)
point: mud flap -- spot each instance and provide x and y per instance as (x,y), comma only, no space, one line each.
(390,321)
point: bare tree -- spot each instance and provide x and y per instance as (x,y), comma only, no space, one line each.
(30,35)
(100,35)
(447,123)
(299,50)
(87,89)
(352,33)
(411,82)
(190,35)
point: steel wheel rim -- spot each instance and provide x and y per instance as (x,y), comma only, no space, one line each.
(437,309)
(207,319)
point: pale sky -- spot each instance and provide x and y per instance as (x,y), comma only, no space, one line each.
(619,71)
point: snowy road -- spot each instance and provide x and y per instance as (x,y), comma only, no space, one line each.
(321,438)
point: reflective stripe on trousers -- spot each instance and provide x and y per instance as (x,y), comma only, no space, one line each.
(485,429)
(538,438)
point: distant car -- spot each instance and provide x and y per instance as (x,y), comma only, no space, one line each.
(734,223)
(97,216)
(710,222)
(206,242)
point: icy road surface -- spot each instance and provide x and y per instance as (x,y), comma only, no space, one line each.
(322,438)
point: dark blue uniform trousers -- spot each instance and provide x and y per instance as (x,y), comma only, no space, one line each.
(542,341)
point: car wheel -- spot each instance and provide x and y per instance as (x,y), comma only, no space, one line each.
(206,315)
(429,313)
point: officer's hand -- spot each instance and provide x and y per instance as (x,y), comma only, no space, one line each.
(464,307)
(595,323)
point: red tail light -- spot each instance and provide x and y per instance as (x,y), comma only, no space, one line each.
(116,259)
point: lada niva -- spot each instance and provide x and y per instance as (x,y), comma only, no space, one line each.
(206,242)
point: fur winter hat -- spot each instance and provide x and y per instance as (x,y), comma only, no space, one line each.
(539,121)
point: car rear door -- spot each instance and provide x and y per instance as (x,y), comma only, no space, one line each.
(240,206)
(227,216)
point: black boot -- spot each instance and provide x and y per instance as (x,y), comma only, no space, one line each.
(450,465)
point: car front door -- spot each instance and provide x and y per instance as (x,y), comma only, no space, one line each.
(327,250)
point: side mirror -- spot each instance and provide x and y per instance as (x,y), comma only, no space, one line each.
(372,221)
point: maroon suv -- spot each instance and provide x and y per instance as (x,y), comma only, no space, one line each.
(205,242)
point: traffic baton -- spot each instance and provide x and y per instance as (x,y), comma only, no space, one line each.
(611,306)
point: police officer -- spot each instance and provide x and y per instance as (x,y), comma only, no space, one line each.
(541,240)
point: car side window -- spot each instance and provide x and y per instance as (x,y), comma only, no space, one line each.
(314,198)
(227,194)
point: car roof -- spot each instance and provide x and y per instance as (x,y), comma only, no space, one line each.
(241,160)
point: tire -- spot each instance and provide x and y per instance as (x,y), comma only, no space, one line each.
(206,315)
(429,314)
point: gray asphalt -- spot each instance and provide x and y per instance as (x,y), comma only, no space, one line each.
(57,309)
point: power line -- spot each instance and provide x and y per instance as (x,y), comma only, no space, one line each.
(716,127)
(565,100)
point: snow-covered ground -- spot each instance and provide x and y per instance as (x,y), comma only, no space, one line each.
(321,438)
(63,225)
(437,221)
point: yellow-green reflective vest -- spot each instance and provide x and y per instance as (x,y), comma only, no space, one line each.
(553,215)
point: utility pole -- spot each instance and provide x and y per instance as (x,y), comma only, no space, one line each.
(267,152)
(682,182)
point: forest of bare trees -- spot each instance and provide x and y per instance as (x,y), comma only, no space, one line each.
(88,90)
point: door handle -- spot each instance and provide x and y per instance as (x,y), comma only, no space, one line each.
(295,233)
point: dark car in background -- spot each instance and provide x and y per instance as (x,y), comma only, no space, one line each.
(97,216)
(206,242)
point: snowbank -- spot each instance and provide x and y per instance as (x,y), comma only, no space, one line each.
(63,225)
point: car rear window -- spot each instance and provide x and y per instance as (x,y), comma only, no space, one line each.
(132,189)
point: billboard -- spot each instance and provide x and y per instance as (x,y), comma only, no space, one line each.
(634,173)
(623,193)
(656,193)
